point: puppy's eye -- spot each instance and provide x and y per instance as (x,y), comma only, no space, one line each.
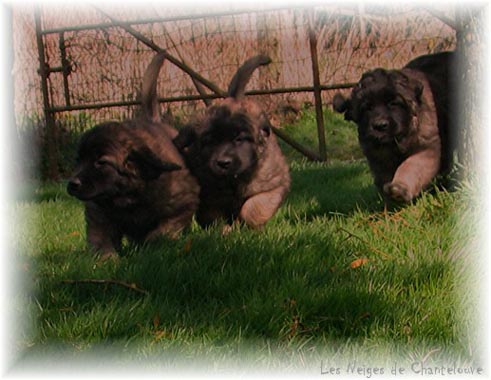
(396,103)
(102,162)
(243,138)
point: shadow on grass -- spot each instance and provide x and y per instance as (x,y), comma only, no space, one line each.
(222,288)
(294,285)
(335,189)
(280,284)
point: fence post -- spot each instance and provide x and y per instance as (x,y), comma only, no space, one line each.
(66,67)
(51,132)
(317,86)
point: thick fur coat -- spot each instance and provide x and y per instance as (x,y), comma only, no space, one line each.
(235,156)
(404,124)
(131,177)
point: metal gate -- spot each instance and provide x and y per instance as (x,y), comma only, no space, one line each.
(204,88)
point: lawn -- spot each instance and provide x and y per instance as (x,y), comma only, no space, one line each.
(332,278)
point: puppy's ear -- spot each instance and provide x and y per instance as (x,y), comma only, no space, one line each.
(185,138)
(409,87)
(342,105)
(339,103)
(148,164)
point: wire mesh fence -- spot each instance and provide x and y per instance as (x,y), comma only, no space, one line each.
(107,63)
(95,68)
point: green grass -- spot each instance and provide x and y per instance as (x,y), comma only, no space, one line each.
(341,136)
(283,298)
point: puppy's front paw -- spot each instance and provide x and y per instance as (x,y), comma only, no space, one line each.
(226,229)
(108,256)
(398,192)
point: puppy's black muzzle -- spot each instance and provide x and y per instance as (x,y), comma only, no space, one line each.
(73,187)
(224,166)
(224,163)
(381,126)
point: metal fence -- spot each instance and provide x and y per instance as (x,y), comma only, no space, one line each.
(90,60)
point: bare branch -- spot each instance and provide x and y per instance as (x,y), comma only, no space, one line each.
(131,286)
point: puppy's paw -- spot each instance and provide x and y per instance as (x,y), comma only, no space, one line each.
(226,229)
(109,256)
(398,192)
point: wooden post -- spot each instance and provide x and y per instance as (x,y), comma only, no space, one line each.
(317,87)
(468,78)
(51,132)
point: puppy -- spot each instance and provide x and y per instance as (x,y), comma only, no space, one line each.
(403,123)
(131,177)
(235,156)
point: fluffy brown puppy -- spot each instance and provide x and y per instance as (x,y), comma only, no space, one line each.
(403,123)
(236,158)
(133,180)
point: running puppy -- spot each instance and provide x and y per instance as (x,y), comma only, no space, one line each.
(403,123)
(131,177)
(235,156)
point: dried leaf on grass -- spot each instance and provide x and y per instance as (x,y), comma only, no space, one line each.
(187,246)
(358,263)
(156,321)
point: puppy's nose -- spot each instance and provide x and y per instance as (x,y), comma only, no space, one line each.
(74,185)
(381,125)
(224,163)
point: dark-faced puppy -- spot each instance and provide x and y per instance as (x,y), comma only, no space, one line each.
(403,123)
(131,177)
(236,158)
